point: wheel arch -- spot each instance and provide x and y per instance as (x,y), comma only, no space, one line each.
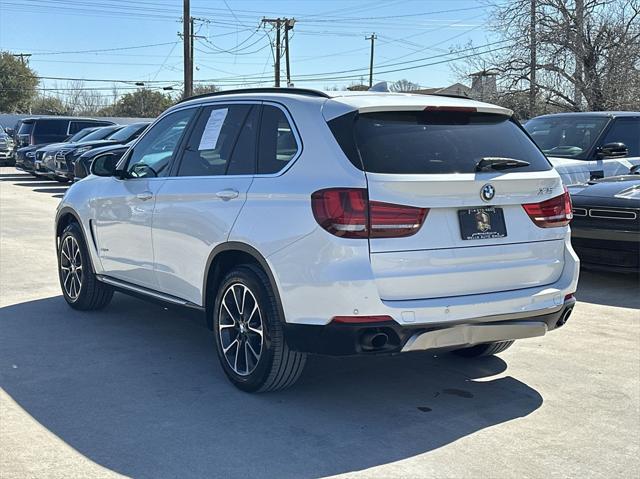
(224,257)
(64,218)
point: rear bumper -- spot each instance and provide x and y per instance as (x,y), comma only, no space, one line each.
(338,339)
(329,286)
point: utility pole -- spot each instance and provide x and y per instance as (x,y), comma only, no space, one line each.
(579,45)
(288,25)
(22,57)
(277,65)
(372,38)
(278,23)
(191,42)
(187,51)
(533,62)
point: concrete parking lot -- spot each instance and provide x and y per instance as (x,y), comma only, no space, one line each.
(136,390)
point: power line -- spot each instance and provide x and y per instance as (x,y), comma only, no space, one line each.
(106,49)
(318,76)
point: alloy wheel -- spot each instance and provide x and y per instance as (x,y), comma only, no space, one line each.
(240,329)
(71,267)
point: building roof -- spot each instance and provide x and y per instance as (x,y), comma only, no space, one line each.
(456,88)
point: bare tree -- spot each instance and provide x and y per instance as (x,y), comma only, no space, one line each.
(403,85)
(588,53)
(73,95)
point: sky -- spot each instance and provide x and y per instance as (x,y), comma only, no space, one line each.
(120,42)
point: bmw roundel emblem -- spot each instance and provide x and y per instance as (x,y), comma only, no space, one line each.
(487,192)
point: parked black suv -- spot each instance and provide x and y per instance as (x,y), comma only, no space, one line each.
(53,129)
(65,158)
(45,156)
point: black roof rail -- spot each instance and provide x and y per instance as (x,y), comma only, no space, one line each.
(292,91)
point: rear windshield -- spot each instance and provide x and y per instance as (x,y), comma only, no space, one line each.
(437,142)
(81,134)
(128,133)
(101,133)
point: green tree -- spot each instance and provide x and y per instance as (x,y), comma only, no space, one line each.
(48,105)
(143,103)
(17,84)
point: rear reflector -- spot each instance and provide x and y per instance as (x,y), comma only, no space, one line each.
(348,213)
(551,213)
(569,296)
(361,319)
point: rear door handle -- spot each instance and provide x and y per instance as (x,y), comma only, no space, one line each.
(144,196)
(227,194)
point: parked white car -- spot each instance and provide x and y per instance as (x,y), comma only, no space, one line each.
(590,145)
(335,223)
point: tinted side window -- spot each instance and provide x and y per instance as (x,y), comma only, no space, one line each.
(49,131)
(51,127)
(213,147)
(153,154)
(627,131)
(277,144)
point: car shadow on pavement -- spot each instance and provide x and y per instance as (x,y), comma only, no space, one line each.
(17,174)
(54,190)
(138,389)
(19,178)
(609,289)
(38,183)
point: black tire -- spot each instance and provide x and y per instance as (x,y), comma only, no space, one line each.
(276,367)
(487,349)
(91,293)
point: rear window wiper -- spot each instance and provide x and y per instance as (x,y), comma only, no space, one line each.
(499,163)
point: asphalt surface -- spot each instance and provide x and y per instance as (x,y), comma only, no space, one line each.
(136,390)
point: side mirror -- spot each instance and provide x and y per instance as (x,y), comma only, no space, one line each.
(635,170)
(10,131)
(104,165)
(613,150)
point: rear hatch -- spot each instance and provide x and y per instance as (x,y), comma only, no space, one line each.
(460,228)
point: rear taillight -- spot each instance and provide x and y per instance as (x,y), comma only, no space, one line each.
(348,213)
(551,213)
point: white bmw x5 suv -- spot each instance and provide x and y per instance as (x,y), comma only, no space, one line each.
(333,223)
